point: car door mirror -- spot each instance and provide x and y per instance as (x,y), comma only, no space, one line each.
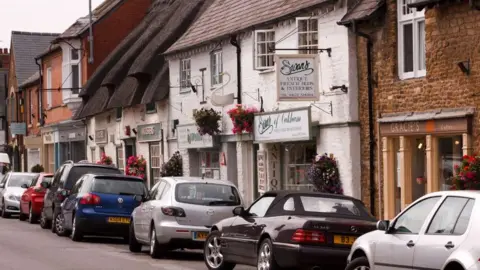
(140,198)
(45,185)
(24,186)
(383,225)
(239,211)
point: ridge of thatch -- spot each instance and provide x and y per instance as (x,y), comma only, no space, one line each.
(159,88)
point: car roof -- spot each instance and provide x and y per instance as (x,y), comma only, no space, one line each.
(470,193)
(186,179)
(284,193)
(93,165)
(113,175)
(23,173)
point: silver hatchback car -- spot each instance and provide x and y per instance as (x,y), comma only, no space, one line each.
(179,213)
(438,231)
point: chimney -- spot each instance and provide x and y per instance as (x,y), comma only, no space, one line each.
(5,51)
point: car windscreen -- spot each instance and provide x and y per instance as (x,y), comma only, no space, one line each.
(47,179)
(78,171)
(17,180)
(334,206)
(119,186)
(207,194)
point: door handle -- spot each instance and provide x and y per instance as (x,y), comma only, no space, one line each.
(449,245)
(151,207)
(410,243)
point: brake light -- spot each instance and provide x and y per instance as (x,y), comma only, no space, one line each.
(303,236)
(90,199)
(173,211)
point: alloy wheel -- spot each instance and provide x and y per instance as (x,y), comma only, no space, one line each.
(74,226)
(153,241)
(362,268)
(59,224)
(213,254)
(264,257)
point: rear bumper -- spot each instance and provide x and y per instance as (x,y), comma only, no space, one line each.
(294,255)
(93,223)
(174,234)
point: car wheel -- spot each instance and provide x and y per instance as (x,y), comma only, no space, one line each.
(44,222)
(32,218)
(22,216)
(212,254)
(60,225)
(265,258)
(156,250)
(4,212)
(360,263)
(76,235)
(133,244)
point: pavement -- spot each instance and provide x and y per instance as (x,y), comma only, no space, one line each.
(26,246)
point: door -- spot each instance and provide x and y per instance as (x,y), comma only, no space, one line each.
(245,231)
(402,236)
(50,194)
(129,149)
(445,233)
(140,217)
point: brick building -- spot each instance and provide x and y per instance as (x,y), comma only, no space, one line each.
(4,64)
(423,78)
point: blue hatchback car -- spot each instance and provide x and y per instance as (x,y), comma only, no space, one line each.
(101,205)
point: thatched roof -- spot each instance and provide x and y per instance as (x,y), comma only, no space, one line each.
(135,71)
(362,10)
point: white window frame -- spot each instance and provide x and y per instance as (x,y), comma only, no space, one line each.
(216,67)
(309,46)
(185,75)
(257,55)
(156,162)
(78,63)
(120,158)
(413,17)
(206,166)
(49,87)
(30,100)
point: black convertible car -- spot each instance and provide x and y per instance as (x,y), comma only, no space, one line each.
(288,229)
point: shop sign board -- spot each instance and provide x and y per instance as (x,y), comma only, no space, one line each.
(188,137)
(273,168)
(48,138)
(149,132)
(72,135)
(283,126)
(297,77)
(432,126)
(101,136)
(262,171)
(18,128)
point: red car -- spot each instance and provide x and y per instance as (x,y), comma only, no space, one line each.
(31,203)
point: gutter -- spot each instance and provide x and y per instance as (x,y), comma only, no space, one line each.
(236,44)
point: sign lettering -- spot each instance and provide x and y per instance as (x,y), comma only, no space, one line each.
(149,132)
(188,138)
(273,167)
(283,125)
(297,77)
(101,136)
(262,173)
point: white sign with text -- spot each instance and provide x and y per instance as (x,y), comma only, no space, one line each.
(188,137)
(280,126)
(297,77)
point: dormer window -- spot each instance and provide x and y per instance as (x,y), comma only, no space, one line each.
(75,71)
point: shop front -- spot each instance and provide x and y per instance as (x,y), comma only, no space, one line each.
(49,141)
(71,145)
(286,148)
(201,154)
(101,140)
(33,145)
(420,151)
(151,136)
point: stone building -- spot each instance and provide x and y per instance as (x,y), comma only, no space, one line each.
(424,83)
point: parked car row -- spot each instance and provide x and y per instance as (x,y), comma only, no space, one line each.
(280,230)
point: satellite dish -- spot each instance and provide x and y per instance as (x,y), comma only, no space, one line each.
(221,101)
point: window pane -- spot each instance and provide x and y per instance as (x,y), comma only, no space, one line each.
(408,47)
(75,54)
(464,218)
(447,215)
(75,79)
(411,221)
(421,45)
(259,209)
(302,26)
(261,36)
(207,194)
(289,205)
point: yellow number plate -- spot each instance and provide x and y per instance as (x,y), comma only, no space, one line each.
(200,236)
(344,239)
(122,220)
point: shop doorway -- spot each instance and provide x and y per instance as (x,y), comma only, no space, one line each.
(130,148)
(419,168)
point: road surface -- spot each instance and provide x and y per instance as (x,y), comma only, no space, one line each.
(25,246)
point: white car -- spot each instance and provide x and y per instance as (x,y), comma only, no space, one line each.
(12,186)
(438,231)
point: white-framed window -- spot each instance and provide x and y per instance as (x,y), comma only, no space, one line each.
(76,72)
(155,163)
(411,41)
(264,45)
(49,87)
(120,159)
(210,166)
(307,35)
(298,158)
(94,154)
(185,74)
(216,64)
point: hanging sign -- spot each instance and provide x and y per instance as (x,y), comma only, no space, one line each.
(283,126)
(188,137)
(297,77)
(262,172)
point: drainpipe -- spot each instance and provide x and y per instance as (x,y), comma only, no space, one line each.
(40,91)
(90,34)
(234,42)
(370,116)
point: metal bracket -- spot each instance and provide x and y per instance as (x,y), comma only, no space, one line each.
(327,50)
(259,98)
(330,107)
(343,88)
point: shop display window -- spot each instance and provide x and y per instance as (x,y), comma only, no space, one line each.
(210,164)
(298,158)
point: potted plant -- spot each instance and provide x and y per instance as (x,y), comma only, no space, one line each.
(207,121)
(105,160)
(242,118)
(324,174)
(136,166)
(467,174)
(37,169)
(173,167)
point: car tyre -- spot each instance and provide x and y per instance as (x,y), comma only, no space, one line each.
(360,263)
(22,216)
(4,212)
(76,234)
(32,218)
(156,250)
(44,222)
(212,255)
(60,225)
(133,244)
(266,258)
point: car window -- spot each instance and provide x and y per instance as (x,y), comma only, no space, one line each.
(165,191)
(412,220)
(56,176)
(447,215)
(159,190)
(119,186)
(35,181)
(207,194)
(78,171)
(260,207)
(321,205)
(464,218)
(77,186)
(289,205)
(47,179)
(17,180)
(153,191)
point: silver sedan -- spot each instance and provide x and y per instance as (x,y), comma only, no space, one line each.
(12,186)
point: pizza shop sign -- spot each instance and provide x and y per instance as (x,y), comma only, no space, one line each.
(297,77)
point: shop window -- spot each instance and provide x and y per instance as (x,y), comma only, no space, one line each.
(450,154)
(419,168)
(298,159)
(120,159)
(264,45)
(307,35)
(210,166)
(155,163)
(151,107)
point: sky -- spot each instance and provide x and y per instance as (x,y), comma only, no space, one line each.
(51,16)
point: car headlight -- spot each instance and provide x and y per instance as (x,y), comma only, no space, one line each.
(12,197)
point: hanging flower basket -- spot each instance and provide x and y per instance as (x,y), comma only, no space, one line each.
(324,175)
(136,166)
(208,121)
(105,160)
(467,175)
(242,119)
(173,167)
